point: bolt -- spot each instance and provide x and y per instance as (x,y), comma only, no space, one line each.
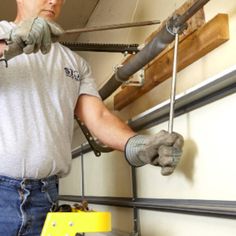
(71,224)
(54,224)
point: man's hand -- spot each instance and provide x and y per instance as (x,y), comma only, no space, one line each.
(163,149)
(30,36)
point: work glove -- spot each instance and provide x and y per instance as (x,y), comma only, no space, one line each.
(163,149)
(30,36)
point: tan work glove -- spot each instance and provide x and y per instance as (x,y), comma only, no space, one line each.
(30,36)
(163,149)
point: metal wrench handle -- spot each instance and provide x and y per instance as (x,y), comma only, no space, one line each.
(173,85)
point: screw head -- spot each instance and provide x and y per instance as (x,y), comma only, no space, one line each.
(54,224)
(71,224)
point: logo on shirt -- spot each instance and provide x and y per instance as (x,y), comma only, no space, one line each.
(74,74)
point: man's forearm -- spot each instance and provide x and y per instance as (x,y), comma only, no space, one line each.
(112,131)
(109,129)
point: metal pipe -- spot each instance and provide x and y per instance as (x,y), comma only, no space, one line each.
(173,85)
(111,27)
(163,38)
(151,50)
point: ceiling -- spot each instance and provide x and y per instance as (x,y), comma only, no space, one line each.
(75,13)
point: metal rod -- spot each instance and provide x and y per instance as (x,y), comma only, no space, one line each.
(135,210)
(82,178)
(173,84)
(111,27)
(82,172)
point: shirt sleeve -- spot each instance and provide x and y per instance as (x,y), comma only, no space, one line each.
(87,82)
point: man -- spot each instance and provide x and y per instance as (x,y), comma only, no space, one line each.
(42,87)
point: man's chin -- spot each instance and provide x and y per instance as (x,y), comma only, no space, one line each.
(47,16)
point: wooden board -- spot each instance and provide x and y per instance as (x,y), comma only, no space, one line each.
(193,47)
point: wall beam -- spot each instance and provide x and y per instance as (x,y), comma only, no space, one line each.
(215,208)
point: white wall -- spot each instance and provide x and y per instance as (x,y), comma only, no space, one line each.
(207,169)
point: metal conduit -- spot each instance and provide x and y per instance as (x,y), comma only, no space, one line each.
(163,38)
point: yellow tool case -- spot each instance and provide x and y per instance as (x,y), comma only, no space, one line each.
(72,223)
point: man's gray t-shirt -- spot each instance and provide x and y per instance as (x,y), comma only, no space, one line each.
(38,94)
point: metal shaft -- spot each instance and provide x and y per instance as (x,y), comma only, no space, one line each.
(173,84)
(82,172)
(82,179)
(111,27)
(135,210)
